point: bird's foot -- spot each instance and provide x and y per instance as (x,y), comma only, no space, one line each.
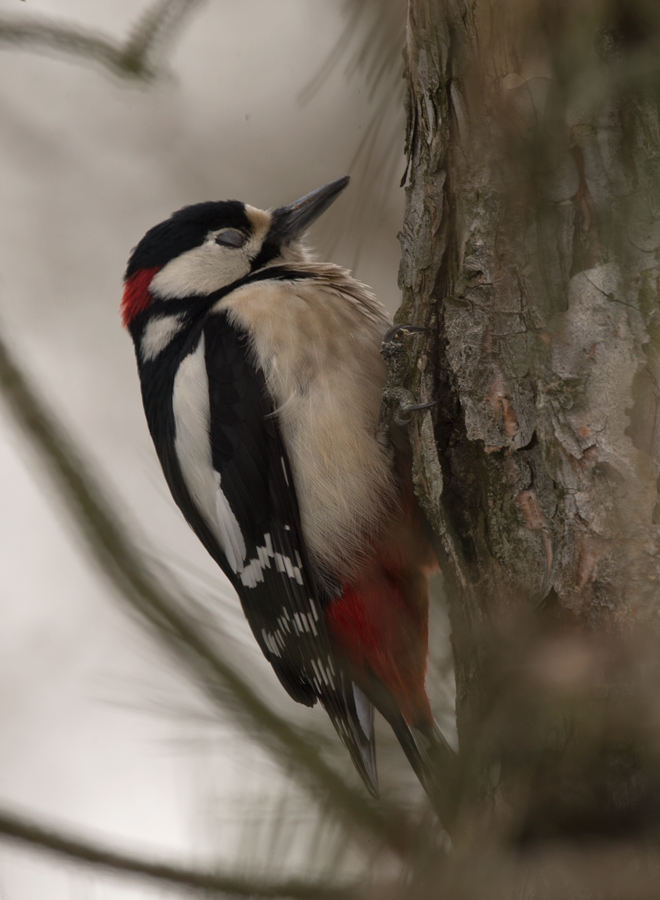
(400,330)
(398,402)
(413,407)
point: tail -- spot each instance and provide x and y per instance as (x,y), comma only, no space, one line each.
(430,756)
(434,762)
(354,723)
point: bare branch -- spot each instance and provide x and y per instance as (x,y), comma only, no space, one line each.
(49,35)
(371,44)
(159,24)
(55,841)
(131,59)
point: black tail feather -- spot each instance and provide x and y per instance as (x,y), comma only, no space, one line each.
(430,756)
(354,723)
(434,763)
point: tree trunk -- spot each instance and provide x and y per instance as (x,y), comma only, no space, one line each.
(531,250)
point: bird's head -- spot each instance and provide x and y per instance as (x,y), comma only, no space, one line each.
(206,247)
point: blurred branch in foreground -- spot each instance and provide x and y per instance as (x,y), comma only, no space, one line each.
(168,613)
(133,58)
(18,829)
(371,45)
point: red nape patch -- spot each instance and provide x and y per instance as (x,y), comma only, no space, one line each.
(136,294)
(380,624)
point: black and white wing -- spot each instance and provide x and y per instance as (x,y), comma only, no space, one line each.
(228,471)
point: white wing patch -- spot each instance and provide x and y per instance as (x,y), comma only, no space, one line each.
(254,570)
(323,673)
(158,334)
(192,443)
(232,539)
(274,642)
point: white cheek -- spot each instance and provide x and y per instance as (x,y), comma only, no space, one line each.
(201,271)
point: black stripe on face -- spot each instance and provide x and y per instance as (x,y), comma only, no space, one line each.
(270,250)
(195,307)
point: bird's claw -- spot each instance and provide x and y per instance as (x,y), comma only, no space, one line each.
(400,330)
(413,407)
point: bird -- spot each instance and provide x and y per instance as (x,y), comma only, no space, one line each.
(261,378)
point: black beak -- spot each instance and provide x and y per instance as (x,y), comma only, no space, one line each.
(290,221)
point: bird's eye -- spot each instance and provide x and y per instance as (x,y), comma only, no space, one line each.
(230,238)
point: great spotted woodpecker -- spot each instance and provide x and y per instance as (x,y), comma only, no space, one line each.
(261,378)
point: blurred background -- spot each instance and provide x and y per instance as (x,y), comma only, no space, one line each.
(99,728)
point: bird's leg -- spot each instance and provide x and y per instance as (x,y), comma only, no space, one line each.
(413,407)
(398,402)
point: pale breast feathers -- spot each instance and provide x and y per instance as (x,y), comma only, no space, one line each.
(320,353)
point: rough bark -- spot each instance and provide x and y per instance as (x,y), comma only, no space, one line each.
(531,251)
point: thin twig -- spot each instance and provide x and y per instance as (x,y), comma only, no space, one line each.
(69,39)
(55,840)
(128,59)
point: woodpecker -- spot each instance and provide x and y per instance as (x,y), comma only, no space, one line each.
(261,378)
